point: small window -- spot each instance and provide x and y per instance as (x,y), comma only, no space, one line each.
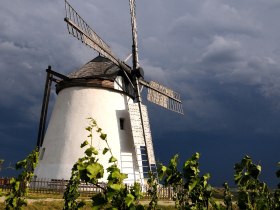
(122,123)
(42,153)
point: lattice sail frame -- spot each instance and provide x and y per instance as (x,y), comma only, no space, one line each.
(82,31)
(164,97)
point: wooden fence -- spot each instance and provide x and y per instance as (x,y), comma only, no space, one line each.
(58,186)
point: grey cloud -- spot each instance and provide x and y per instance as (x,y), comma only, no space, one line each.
(214,18)
(232,67)
(222,51)
(208,52)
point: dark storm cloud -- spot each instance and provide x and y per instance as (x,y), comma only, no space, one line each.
(223,57)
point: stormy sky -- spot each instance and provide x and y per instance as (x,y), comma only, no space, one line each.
(222,56)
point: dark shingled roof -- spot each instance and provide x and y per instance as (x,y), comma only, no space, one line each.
(99,72)
(99,67)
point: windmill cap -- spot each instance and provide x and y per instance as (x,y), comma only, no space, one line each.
(98,67)
(139,72)
(99,72)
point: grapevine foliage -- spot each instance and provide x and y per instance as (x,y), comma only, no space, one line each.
(1,163)
(115,194)
(15,198)
(227,197)
(191,191)
(153,190)
(252,193)
(276,196)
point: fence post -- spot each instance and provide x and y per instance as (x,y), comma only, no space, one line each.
(62,186)
(169,192)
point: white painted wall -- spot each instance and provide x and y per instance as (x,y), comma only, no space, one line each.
(66,130)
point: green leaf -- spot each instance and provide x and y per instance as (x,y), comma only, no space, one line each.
(136,190)
(84,144)
(21,202)
(140,207)
(196,156)
(95,152)
(95,171)
(205,179)
(192,185)
(12,180)
(103,136)
(278,173)
(116,187)
(81,167)
(14,201)
(161,171)
(112,160)
(98,201)
(163,168)
(21,164)
(105,150)
(116,174)
(91,151)
(110,194)
(174,161)
(129,199)
(81,204)
(17,183)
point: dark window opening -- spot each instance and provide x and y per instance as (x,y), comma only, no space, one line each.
(122,123)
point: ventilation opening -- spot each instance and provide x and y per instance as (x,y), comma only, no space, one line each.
(122,123)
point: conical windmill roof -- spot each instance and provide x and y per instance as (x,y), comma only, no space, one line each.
(99,67)
(99,72)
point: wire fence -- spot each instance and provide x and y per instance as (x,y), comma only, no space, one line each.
(58,186)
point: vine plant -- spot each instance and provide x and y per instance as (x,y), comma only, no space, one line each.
(191,191)
(276,196)
(227,198)
(252,193)
(15,198)
(153,190)
(115,194)
(1,163)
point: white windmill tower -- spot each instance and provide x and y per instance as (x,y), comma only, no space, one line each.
(107,89)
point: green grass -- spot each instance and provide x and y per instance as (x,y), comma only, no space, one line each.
(41,205)
(43,196)
(48,201)
(57,202)
(48,205)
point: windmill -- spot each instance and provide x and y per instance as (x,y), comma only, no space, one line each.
(110,90)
